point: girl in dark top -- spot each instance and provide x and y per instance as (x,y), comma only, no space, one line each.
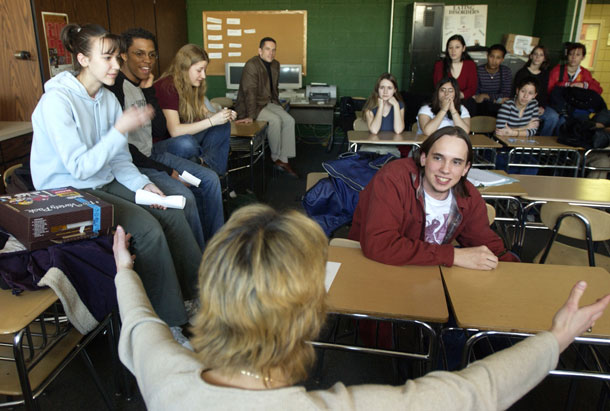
(458,65)
(384,110)
(538,66)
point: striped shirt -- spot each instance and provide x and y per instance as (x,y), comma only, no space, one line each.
(509,114)
(497,85)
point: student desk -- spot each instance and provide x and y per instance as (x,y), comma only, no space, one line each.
(484,151)
(541,152)
(15,143)
(383,137)
(518,299)
(366,289)
(249,138)
(315,113)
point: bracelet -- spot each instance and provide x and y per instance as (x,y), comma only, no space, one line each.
(211,124)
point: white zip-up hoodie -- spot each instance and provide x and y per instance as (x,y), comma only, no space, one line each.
(75,142)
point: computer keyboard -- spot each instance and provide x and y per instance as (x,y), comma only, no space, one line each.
(299,100)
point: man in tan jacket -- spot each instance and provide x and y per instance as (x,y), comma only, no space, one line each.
(257,98)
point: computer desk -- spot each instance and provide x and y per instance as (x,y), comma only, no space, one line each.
(520,299)
(316,113)
(366,289)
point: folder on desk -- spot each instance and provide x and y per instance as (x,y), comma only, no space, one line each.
(484,178)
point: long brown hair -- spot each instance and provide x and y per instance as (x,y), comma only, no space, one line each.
(192,106)
(371,103)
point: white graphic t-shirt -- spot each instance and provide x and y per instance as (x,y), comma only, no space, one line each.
(437,213)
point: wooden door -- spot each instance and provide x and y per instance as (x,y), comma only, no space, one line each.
(20,80)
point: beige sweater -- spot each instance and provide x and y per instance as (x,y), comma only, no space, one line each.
(169,375)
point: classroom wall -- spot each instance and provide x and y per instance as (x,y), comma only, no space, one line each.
(348,39)
(601,69)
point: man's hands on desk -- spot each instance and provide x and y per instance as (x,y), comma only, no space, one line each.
(246,120)
(476,258)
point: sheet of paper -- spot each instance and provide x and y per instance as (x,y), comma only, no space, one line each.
(215,37)
(189,178)
(215,45)
(233,21)
(249,31)
(144,197)
(212,27)
(487,178)
(234,54)
(332,268)
(215,56)
(213,20)
(234,32)
(234,45)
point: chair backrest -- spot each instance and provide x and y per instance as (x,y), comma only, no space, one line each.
(574,227)
(491,213)
(414,126)
(482,124)
(360,124)
(313,178)
(8,172)
(344,242)
(222,102)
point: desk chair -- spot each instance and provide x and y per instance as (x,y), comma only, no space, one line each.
(360,124)
(578,223)
(36,345)
(313,178)
(8,173)
(482,124)
(222,102)
(344,242)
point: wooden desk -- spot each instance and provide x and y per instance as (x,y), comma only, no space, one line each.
(521,297)
(587,191)
(484,151)
(383,137)
(541,152)
(15,144)
(314,113)
(248,138)
(364,286)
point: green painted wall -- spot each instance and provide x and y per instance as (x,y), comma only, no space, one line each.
(348,39)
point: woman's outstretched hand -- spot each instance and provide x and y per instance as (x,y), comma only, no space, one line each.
(122,256)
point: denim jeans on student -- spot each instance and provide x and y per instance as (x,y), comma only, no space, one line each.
(211,144)
(207,195)
(550,122)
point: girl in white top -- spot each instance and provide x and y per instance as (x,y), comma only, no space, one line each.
(444,110)
(263,299)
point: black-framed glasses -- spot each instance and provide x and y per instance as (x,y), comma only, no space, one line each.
(141,54)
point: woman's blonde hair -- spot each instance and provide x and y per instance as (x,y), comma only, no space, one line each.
(262,293)
(192,106)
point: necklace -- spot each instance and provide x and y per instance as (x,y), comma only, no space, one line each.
(255,375)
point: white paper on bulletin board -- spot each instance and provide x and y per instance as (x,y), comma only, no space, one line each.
(469,20)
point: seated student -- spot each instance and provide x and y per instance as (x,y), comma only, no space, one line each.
(80,140)
(195,132)
(413,209)
(444,110)
(262,291)
(458,65)
(133,86)
(573,75)
(537,66)
(494,84)
(384,111)
(519,117)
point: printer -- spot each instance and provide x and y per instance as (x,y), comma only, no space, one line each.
(320,92)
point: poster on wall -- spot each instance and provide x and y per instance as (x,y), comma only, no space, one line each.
(470,21)
(60,59)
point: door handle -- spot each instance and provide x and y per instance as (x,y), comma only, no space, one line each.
(22,55)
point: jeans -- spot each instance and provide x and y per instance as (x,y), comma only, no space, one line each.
(211,144)
(550,121)
(207,196)
(168,257)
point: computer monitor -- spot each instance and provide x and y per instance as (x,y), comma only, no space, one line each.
(233,75)
(290,77)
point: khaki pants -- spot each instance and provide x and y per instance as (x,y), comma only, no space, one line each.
(280,132)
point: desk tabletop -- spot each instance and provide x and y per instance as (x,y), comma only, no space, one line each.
(247,130)
(521,297)
(513,189)
(364,286)
(482,141)
(10,129)
(565,189)
(19,311)
(313,104)
(549,142)
(385,137)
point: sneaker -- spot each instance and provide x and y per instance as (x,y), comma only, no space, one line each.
(182,340)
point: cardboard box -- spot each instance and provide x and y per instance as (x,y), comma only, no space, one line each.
(519,44)
(42,218)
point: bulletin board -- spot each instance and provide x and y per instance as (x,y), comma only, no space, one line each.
(234,36)
(468,20)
